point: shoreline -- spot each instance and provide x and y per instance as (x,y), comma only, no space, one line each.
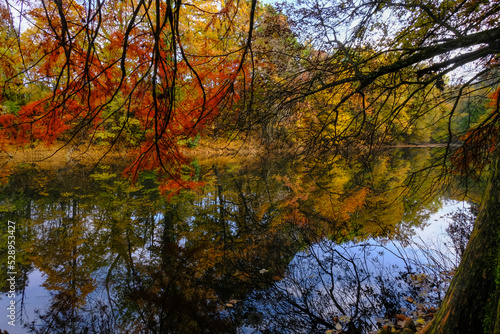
(60,154)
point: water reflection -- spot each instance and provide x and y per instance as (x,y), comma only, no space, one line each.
(227,257)
(350,288)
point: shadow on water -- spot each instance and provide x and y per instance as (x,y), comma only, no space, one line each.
(264,247)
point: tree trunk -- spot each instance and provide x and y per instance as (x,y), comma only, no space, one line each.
(472,303)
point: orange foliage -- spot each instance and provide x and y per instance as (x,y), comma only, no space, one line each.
(130,64)
(354,202)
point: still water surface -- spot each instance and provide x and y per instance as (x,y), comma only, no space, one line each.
(259,246)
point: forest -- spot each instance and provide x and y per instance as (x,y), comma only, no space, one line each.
(219,139)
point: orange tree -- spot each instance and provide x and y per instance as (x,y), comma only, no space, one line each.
(148,73)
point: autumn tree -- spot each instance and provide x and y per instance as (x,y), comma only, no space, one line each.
(381,68)
(152,73)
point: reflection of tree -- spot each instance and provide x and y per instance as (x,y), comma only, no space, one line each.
(62,253)
(461,226)
(346,198)
(163,290)
(15,205)
(66,241)
(183,264)
(168,266)
(346,287)
(61,318)
(207,250)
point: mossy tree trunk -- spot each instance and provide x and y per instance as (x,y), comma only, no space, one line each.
(472,303)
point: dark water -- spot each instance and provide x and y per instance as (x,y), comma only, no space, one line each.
(260,246)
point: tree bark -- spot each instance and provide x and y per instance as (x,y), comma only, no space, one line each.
(472,303)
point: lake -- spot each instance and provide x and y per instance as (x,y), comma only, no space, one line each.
(256,245)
